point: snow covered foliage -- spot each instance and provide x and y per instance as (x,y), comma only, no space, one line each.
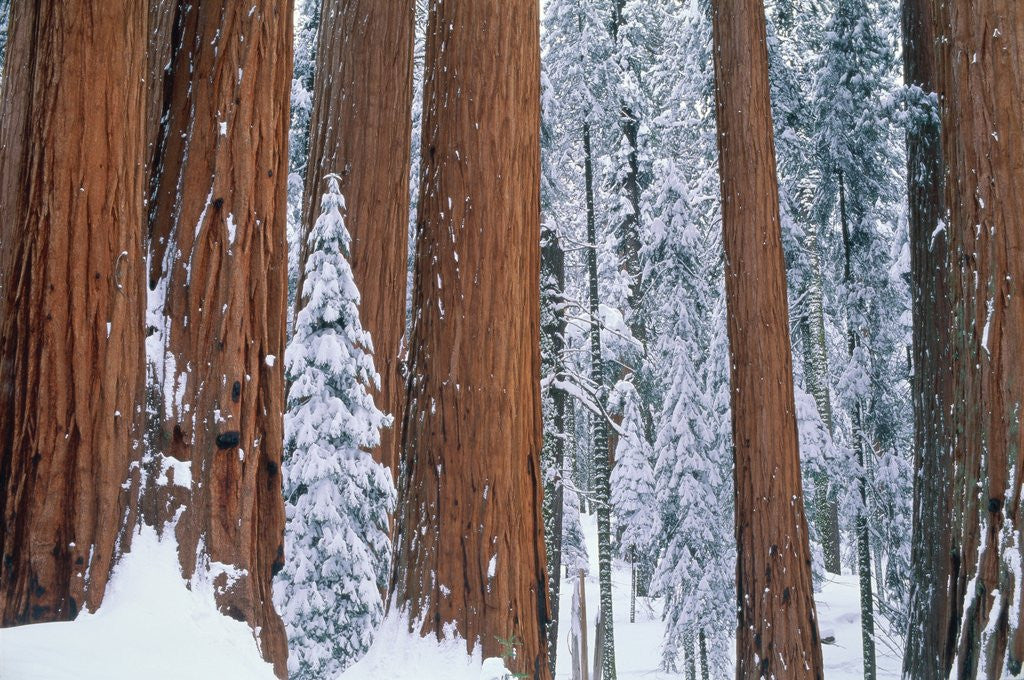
(307,21)
(632,479)
(337,497)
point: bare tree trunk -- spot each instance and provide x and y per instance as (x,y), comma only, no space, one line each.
(218,263)
(982,80)
(690,645)
(553,286)
(867,613)
(705,672)
(826,505)
(601,465)
(470,534)
(71,300)
(934,557)
(360,130)
(777,633)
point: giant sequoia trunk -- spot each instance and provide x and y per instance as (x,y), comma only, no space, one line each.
(982,80)
(934,559)
(360,130)
(71,299)
(218,266)
(470,533)
(777,635)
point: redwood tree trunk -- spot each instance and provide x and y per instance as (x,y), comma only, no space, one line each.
(360,129)
(470,542)
(777,635)
(218,265)
(71,299)
(982,80)
(934,556)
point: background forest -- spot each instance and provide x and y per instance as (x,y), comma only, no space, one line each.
(391,328)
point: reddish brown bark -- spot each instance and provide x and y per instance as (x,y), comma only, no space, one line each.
(218,257)
(71,299)
(982,82)
(360,129)
(470,536)
(935,558)
(777,635)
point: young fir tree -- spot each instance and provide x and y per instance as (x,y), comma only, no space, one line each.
(632,486)
(337,498)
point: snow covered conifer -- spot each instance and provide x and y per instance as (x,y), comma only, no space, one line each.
(632,487)
(337,497)
(632,479)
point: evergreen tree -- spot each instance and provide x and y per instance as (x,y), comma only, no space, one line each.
(854,149)
(337,498)
(632,486)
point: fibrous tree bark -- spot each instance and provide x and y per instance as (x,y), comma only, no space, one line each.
(360,130)
(218,294)
(71,300)
(934,556)
(777,633)
(470,535)
(981,80)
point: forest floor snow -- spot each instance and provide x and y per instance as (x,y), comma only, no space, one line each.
(151,626)
(638,645)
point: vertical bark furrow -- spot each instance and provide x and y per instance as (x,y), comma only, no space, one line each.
(360,130)
(981,78)
(928,653)
(71,297)
(218,258)
(777,635)
(470,543)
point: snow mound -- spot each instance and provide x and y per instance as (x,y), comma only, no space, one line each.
(397,654)
(150,626)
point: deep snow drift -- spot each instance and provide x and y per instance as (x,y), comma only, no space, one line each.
(151,626)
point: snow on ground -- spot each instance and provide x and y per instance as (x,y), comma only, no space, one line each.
(638,645)
(397,654)
(150,626)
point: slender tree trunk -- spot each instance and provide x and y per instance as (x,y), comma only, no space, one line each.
(690,645)
(705,672)
(553,282)
(218,265)
(71,300)
(601,465)
(934,558)
(629,227)
(632,584)
(777,633)
(867,614)
(360,130)
(470,533)
(826,505)
(981,78)
(584,657)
